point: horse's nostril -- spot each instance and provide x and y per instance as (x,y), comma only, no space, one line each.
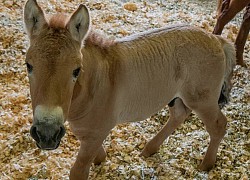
(61,133)
(33,133)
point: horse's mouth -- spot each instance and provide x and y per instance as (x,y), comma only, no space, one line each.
(48,147)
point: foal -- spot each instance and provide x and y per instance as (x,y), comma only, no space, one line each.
(226,12)
(96,83)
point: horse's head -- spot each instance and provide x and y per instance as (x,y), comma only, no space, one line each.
(54,64)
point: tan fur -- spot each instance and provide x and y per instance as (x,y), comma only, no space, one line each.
(130,79)
(58,21)
(95,39)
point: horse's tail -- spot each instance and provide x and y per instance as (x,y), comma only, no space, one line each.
(230,61)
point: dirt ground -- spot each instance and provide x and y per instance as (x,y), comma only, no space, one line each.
(180,154)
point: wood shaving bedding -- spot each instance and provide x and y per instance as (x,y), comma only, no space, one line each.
(180,154)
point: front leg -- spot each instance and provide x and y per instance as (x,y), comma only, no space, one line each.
(100,157)
(223,17)
(88,151)
(228,11)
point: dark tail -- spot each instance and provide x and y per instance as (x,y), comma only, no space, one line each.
(230,60)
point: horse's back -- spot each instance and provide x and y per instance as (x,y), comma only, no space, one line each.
(172,53)
(172,42)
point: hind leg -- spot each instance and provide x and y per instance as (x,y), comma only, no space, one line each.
(216,129)
(178,113)
(215,123)
(242,37)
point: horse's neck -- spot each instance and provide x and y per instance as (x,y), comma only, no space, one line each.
(93,84)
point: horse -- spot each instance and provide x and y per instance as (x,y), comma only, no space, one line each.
(226,11)
(95,83)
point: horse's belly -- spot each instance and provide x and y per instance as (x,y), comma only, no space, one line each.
(141,105)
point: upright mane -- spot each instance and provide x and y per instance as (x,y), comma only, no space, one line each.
(96,39)
(58,21)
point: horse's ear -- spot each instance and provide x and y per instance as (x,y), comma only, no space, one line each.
(79,22)
(34,18)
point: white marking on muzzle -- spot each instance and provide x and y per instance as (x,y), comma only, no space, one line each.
(48,114)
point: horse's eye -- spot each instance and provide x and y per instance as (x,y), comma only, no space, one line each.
(29,68)
(76,72)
